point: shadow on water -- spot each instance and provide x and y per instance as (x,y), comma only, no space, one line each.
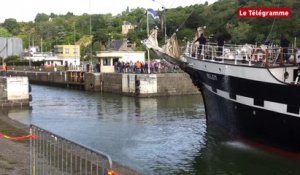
(165,135)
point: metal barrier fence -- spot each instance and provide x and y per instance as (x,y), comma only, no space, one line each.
(53,154)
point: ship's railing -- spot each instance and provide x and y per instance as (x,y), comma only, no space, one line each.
(53,154)
(267,56)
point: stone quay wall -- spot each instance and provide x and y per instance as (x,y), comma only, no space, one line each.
(14,92)
(139,85)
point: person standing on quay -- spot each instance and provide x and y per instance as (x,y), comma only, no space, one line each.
(4,69)
(138,66)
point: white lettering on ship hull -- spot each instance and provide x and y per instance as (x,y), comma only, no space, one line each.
(211,76)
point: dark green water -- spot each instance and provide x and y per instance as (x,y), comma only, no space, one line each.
(165,135)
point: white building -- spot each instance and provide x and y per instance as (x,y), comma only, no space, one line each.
(119,50)
(63,55)
(107,59)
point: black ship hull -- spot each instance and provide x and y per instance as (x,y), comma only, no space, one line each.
(260,111)
(248,122)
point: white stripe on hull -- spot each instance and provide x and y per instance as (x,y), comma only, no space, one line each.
(277,107)
(268,105)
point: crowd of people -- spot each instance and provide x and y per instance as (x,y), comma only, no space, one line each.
(156,66)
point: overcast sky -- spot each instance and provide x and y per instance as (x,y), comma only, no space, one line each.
(26,10)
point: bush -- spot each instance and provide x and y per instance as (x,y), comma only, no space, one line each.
(12,58)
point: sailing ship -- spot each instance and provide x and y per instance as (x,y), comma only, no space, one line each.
(249,91)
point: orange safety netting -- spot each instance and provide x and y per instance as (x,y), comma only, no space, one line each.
(30,136)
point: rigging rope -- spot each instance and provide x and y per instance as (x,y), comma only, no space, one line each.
(224,23)
(267,39)
(181,25)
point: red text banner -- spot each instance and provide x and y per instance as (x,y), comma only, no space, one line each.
(264,12)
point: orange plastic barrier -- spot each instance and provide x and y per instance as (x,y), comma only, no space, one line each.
(30,136)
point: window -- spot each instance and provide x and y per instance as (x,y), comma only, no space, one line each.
(58,50)
(67,50)
(106,62)
(75,51)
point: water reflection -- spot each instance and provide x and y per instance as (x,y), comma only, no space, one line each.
(166,135)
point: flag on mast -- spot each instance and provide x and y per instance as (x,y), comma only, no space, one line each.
(153,13)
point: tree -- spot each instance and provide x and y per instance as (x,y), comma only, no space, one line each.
(41,17)
(186,35)
(12,26)
(97,46)
(4,32)
(69,14)
(240,32)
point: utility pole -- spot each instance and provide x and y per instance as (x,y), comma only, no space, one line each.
(42,46)
(74,33)
(91,50)
(148,37)
(164,18)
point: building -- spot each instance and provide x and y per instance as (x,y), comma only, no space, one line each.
(107,59)
(33,54)
(119,50)
(62,55)
(126,27)
(70,54)
(10,47)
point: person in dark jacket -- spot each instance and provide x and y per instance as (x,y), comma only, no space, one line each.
(202,42)
(220,41)
(284,44)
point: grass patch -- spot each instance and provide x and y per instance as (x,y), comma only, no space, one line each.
(6,165)
(10,130)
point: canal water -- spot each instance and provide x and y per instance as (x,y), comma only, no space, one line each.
(163,135)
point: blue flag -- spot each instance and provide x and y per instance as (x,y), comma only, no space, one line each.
(153,13)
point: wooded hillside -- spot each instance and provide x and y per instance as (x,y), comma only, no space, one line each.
(218,17)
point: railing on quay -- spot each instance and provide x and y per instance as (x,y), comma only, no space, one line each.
(53,154)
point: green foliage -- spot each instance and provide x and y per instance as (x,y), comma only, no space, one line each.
(12,26)
(97,46)
(12,58)
(4,32)
(41,17)
(240,33)
(186,34)
(15,61)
